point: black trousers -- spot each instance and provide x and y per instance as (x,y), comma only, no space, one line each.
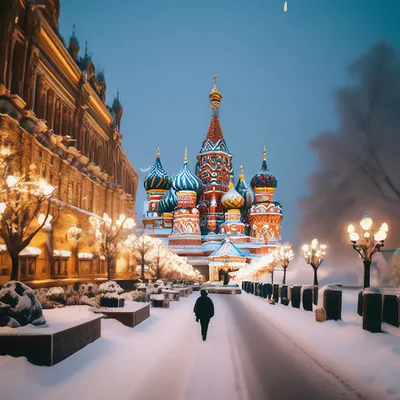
(204,327)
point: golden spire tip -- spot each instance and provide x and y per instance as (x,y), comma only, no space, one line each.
(241,176)
(158,151)
(265,152)
(185,158)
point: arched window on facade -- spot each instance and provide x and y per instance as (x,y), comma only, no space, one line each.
(65,121)
(50,108)
(78,200)
(17,77)
(57,117)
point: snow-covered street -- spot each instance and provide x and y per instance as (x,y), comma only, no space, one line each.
(252,352)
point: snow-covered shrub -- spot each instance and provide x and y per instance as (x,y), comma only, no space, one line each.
(57,294)
(110,295)
(110,287)
(19,306)
(138,295)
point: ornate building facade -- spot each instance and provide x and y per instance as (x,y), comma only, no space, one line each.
(203,216)
(53,114)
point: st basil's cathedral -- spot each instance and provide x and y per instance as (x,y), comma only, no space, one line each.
(204,216)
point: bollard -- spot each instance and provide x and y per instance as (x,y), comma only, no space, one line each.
(307,299)
(333,304)
(284,295)
(265,291)
(372,312)
(275,292)
(269,290)
(391,309)
(295,296)
(252,288)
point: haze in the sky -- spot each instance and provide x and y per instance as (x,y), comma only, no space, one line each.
(277,72)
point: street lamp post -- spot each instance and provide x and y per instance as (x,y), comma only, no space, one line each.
(367,243)
(284,255)
(314,255)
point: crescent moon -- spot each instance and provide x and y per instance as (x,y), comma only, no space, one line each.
(145,170)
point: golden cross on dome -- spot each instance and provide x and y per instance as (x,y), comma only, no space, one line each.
(215,80)
(158,151)
(241,169)
(265,152)
(185,158)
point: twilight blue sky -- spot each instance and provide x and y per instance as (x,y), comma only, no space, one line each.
(276,71)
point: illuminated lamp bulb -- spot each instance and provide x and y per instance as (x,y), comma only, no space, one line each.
(354,236)
(11,181)
(48,190)
(384,227)
(3,207)
(380,236)
(350,229)
(314,243)
(366,223)
(367,234)
(305,248)
(129,223)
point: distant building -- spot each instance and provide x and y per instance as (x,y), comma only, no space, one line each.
(53,112)
(204,216)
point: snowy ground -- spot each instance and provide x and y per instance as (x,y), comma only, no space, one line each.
(254,351)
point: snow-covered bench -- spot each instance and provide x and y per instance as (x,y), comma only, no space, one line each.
(67,331)
(132,314)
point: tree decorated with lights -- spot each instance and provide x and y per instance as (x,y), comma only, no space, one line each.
(367,243)
(110,235)
(158,259)
(140,249)
(257,268)
(283,256)
(22,200)
(314,255)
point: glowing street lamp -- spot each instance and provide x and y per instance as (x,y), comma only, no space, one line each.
(314,255)
(367,243)
(284,255)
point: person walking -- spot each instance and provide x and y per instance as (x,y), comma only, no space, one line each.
(204,311)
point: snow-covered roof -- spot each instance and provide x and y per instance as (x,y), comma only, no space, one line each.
(227,248)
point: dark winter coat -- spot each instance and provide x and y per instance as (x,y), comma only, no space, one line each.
(204,307)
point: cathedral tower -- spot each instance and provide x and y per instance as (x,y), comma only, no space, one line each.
(214,166)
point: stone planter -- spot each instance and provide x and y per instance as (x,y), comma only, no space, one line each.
(372,312)
(111,302)
(333,304)
(295,296)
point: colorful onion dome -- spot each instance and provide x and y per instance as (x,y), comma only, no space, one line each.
(244,190)
(186,180)
(215,96)
(264,178)
(157,178)
(168,203)
(232,199)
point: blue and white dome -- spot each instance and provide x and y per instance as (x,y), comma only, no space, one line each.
(157,178)
(186,180)
(168,203)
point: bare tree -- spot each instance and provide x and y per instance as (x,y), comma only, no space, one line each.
(21,202)
(110,235)
(158,259)
(140,249)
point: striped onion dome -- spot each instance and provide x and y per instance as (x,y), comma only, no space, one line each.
(186,180)
(244,190)
(264,178)
(168,203)
(232,199)
(157,178)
